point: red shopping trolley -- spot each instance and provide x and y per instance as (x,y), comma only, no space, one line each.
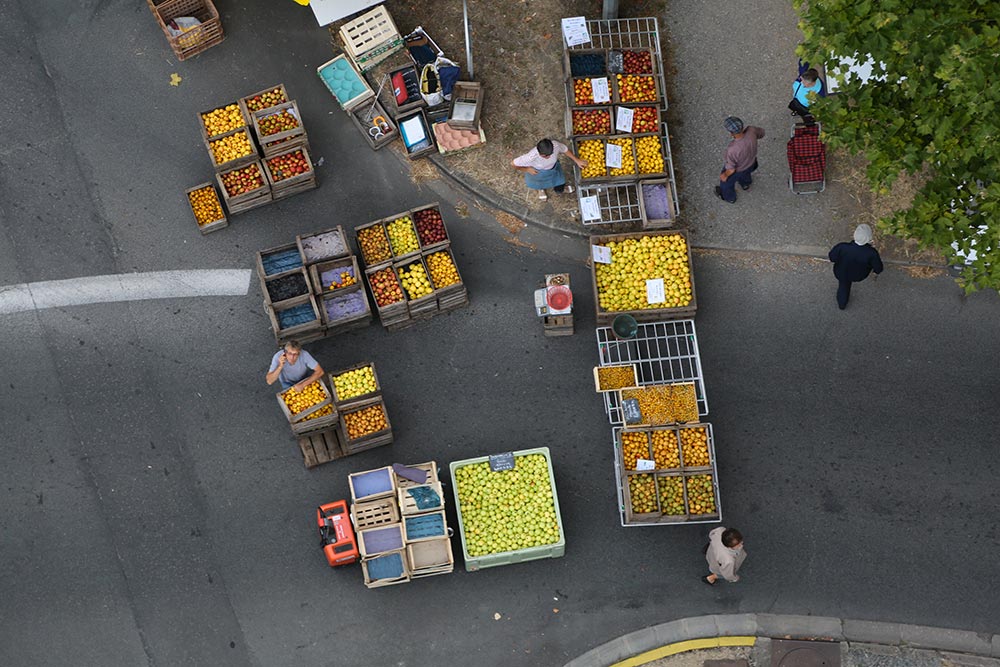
(806,160)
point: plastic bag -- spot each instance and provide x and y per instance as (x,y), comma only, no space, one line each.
(182,24)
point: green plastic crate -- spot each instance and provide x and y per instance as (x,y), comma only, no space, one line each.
(555,550)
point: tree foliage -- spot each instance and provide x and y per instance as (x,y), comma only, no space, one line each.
(936,108)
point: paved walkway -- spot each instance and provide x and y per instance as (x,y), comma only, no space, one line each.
(693,641)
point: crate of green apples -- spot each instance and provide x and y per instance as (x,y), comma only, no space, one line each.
(508,516)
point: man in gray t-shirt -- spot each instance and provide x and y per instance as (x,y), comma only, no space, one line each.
(740,159)
(294,367)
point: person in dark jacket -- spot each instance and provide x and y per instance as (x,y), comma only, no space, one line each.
(853,262)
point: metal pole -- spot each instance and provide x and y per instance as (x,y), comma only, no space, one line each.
(610,10)
(468,42)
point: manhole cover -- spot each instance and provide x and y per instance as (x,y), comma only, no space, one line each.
(789,653)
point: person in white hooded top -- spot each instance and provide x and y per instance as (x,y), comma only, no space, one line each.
(725,554)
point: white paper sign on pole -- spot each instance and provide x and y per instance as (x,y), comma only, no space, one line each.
(575,31)
(601,254)
(655,292)
(589,208)
(599,88)
(623,121)
(613,156)
(645,464)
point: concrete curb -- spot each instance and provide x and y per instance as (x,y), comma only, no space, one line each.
(777,626)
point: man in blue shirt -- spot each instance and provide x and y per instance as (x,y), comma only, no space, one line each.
(294,367)
(809,83)
(853,262)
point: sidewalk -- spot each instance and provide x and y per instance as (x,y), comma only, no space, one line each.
(760,640)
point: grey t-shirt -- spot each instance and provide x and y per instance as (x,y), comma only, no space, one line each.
(291,373)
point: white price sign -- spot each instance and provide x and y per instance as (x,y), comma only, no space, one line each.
(599,87)
(623,120)
(575,31)
(601,254)
(590,209)
(613,156)
(645,464)
(655,292)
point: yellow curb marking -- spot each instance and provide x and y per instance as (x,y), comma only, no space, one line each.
(681,647)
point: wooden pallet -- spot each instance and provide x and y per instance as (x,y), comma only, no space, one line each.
(322,447)
(558,325)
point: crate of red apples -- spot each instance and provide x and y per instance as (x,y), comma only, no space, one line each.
(290,173)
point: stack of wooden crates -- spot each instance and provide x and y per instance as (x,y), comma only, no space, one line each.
(442,299)
(400,541)
(346,406)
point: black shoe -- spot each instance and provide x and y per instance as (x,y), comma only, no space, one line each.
(718,193)
(745,187)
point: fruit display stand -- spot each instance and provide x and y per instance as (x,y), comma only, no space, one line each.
(658,353)
(638,39)
(197,39)
(415,540)
(660,478)
(643,256)
(206,208)
(510,522)
(290,172)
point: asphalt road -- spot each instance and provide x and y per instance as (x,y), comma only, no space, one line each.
(156,508)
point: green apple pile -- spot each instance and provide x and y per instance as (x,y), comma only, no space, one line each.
(507,510)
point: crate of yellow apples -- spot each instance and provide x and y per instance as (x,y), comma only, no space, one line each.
(649,277)
(354,384)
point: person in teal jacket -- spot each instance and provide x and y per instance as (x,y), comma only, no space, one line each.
(809,82)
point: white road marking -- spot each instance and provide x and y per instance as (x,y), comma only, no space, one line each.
(123,287)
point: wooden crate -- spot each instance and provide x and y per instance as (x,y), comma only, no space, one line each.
(292,108)
(605,317)
(244,102)
(196,40)
(394,312)
(406,256)
(248,200)
(311,425)
(309,256)
(702,516)
(280,187)
(645,423)
(374,513)
(362,118)
(262,272)
(597,378)
(201,121)
(382,480)
(367,539)
(377,583)
(635,105)
(410,535)
(341,402)
(369,60)
(371,262)
(215,225)
(377,439)
(359,320)
(628,155)
(407,504)
(447,290)
(558,325)
(424,305)
(430,468)
(317,270)
(414,102)
(429,247)
(453,301)
(292,419)
(616,93)
(235,163)
(272,148)
(264,282)
(567,67)
(424,147)
(641,517)
(466,105)
(368,32)
(656,223)
(430,557)
(571,96)
(359,93)
(320,447)
(297,331)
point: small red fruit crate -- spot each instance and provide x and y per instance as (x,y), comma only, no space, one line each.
(590,120)
(430,227)
(638,61)
(290,168)
(263,99)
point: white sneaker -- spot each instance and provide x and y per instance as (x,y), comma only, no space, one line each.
(542,195)
(569,189)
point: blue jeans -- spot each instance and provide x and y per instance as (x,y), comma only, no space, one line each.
(742,177)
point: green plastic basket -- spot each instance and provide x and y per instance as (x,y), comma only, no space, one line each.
(554,550)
